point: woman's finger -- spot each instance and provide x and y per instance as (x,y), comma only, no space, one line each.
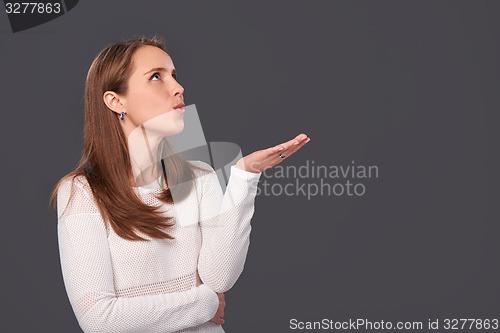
(289,152)
(296,141)
(287,145)
(294,148)
(292,144)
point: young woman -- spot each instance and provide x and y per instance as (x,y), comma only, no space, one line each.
(176,241)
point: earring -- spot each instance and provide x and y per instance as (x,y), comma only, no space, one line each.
(122,117)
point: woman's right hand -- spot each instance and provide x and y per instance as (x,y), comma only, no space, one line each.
(219,315)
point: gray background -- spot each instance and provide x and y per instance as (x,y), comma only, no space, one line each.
(412,87)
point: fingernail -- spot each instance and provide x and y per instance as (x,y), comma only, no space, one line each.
(295,143)
(280,148)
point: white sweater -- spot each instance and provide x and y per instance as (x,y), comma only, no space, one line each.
(117,285)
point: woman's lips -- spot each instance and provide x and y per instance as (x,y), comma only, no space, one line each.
(178,106)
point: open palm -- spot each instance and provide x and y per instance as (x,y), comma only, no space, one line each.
(263,159)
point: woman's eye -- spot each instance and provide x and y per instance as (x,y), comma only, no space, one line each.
(158,74)
(155,74)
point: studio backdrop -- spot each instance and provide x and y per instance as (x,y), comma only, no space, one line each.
(387,220)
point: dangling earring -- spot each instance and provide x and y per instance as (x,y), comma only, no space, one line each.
(122,117)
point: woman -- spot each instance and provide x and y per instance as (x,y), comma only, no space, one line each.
(176,242)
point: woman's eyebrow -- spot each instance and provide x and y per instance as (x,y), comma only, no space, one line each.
(160,69)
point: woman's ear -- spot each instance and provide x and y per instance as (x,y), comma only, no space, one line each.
(113,102)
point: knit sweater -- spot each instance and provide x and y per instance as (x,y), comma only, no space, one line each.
(116,285)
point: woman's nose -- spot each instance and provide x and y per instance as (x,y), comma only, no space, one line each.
(179,90)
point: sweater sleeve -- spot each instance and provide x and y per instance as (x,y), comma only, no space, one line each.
(225,226)
(88,279)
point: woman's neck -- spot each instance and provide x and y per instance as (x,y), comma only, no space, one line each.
(144,156)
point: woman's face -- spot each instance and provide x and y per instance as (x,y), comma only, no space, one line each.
(153,94)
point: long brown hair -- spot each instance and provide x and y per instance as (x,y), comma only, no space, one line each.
(105,161)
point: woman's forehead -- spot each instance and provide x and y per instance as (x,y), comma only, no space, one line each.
(149,57)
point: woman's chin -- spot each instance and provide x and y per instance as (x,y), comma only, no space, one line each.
(165,128)
(174,130)
(180,126)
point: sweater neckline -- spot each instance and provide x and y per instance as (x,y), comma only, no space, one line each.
(151,187)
